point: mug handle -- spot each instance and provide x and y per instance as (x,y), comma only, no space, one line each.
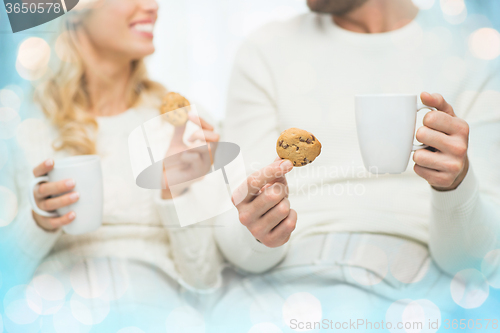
(34,206)
(422,146)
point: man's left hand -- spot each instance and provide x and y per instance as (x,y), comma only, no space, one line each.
(445,168)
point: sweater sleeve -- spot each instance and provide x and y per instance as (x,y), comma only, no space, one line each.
(26,242)
(465,222)
(193,248)
(241,249)
(252,123)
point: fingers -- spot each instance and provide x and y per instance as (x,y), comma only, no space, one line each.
(43,168)
(430,160)
(435,178)
(276,214)
(445,123)
(432,138)
(437,101)
(204,135)
(53,223)
(58,202)
(282,232)
(45,190)
(269,174)
(178,135)
(268,199)
(190,158)
(200,121)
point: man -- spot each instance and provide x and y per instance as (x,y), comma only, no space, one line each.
(305,73)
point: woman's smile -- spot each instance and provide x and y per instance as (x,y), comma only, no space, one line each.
(143,28)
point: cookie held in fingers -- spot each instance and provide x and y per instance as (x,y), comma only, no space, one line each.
(175,109)
(298,146)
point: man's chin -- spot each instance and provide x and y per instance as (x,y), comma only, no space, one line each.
(334,7)
(318,6)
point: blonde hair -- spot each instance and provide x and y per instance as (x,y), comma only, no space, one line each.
(64,99)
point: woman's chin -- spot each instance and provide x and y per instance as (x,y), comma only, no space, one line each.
(140,54)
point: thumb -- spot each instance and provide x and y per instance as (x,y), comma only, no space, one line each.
(437,101)
(177,138)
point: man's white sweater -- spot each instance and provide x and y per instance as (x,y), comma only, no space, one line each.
(305,73)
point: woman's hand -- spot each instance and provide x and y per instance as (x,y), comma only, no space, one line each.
(43,193)
(184,163)
(445,168)
(263,204)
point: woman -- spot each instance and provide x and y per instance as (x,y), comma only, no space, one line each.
(91,103)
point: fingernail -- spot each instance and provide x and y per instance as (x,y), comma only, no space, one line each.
(49,162)
(286,164)
(71,216)
(70,183)
(74,196)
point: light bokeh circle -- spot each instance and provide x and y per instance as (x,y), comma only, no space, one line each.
(22,305)
(51,291)
(8,98)
(424,4)
(266,307)
(301,307)
(130,329)
(33,53)
(65,322)
(89,311)
(9,120)
(61,47)
(490,267)
(185,319)
(48,287)
(8,206)
(452,7)
(33,57)
(265,328)
(469,288)
(414,315)
(484,43)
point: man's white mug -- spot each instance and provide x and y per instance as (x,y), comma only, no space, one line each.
(86,171)
(386,129)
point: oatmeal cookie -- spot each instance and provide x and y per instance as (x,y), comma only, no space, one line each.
(175,107)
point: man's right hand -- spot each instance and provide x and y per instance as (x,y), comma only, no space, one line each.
(265,209)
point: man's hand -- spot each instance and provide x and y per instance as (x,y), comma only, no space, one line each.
(445,168)
(263,204)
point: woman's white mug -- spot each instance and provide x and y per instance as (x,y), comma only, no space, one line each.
(86,171)
(386,129)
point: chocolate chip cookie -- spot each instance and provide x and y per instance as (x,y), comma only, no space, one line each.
(175,107)
(298,146)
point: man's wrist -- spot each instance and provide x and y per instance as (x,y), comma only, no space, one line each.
(457,181)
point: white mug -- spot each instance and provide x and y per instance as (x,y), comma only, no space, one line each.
(86,171)
(386,129)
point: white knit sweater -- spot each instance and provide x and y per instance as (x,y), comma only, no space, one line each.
(305,73)
(137,223)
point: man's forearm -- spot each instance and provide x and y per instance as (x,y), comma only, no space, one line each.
(464,227)
(241,249)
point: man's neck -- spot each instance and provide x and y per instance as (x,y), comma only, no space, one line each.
(377,16)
